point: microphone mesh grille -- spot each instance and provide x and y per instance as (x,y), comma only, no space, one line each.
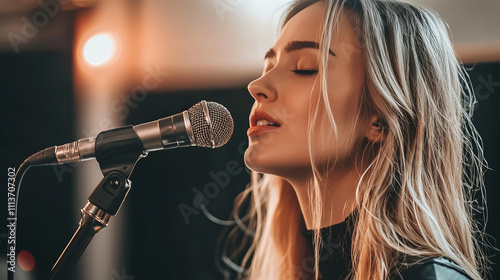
(221,120)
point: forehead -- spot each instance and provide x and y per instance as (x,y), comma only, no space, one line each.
(307,25)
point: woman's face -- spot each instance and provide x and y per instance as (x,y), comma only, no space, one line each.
(289,86)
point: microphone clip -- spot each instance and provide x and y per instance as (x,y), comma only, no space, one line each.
(117,152)
(118,149)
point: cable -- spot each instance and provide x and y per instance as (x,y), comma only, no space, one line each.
(13,216)
(43,157)
(213,218)
(224,256)
(218,221)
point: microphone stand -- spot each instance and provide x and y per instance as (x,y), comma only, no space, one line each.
(93,220)
(117,153)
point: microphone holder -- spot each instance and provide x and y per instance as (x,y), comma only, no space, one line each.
(117,152)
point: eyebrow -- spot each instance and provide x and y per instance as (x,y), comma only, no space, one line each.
(295,46)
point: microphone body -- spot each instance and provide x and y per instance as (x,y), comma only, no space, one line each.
(167,133)
(206,124)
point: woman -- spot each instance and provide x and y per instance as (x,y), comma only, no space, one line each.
(361,128)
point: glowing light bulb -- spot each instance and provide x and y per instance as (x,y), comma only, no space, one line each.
(99,49)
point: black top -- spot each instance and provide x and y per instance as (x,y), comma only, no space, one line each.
(335,259)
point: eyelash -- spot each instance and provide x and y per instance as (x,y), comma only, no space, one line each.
(304,72)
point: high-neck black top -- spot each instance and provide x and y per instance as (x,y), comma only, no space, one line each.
(335,258)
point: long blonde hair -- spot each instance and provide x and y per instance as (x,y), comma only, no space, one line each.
(418,195)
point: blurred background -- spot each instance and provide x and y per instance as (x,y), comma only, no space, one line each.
(72,68)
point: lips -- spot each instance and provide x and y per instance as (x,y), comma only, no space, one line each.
(260,122)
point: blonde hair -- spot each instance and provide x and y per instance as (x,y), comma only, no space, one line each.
(417,197)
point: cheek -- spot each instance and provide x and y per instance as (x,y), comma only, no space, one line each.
(344,88)
(344,92)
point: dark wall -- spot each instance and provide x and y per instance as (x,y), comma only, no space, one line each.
(486,82)
(38,112)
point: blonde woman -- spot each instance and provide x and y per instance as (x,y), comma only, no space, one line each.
(365,160)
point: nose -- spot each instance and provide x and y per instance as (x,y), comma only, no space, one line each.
(262,90)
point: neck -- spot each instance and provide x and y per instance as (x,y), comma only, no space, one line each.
(337,197)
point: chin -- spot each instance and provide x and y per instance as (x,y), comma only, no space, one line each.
(254,161)
(277,164)
(259,162)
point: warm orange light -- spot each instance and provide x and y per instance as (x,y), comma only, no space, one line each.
(26,261)
(99,49)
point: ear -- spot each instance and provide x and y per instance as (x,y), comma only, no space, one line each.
(375,130)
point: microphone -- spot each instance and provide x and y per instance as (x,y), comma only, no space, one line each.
(205,124)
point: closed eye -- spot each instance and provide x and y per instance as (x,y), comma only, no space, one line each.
(304,72)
